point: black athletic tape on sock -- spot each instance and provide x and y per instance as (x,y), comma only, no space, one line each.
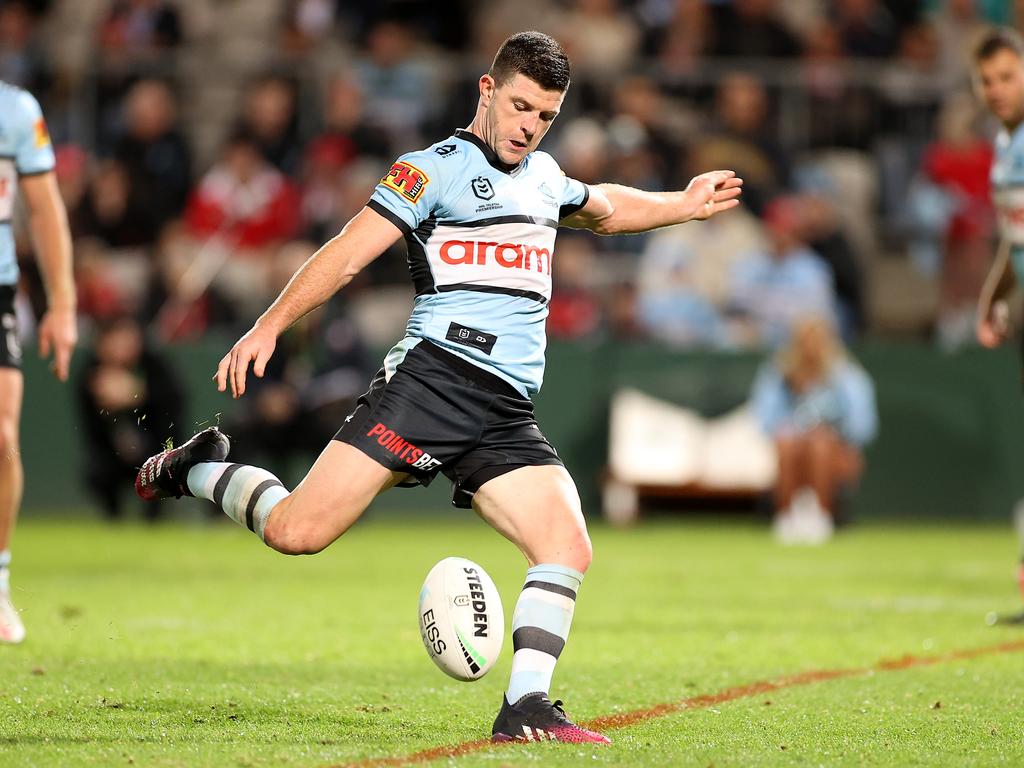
(222,484)
(260,489)
(558,589)
(537,639)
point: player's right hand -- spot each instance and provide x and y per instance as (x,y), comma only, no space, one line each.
(254,347)
(994,325)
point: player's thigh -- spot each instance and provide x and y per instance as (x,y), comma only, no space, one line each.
(11,393)
(334,493)
(538,509)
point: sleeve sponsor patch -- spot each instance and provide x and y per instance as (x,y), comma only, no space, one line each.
(407,180)
(42,136)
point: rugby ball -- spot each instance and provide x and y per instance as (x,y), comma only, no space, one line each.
(461,620)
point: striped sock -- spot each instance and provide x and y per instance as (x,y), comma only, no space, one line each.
(540,626)
(5,570)
(246,494)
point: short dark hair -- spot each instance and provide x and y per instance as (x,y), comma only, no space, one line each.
(999,39)
(533,55)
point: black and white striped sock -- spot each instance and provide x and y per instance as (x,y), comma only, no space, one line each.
(540,627)
(246,494)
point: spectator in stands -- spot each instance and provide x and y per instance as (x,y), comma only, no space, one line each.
(601,37)
(685,39)
(138,28)
(844,110)
(648,124)
(820,229)
(307,23)
(818,405)
(132,38)
(958,164)
(771,289)
(397,82)
(752,28)
(347,135)
(244,198)
(241,211)
(867,28)
(130,402)
(22,61)
(269,117)
(154,154)
(959,24)
(574,311)
(742,136)
(109,211)
(683,278)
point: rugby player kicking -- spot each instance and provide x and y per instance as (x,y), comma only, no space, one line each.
(999,77)
(27,166)
(478,211)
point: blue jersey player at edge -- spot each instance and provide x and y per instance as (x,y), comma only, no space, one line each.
(479,212)
(999,80)
(27,167)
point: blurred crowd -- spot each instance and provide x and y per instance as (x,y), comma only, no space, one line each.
(204,150)
(189,167)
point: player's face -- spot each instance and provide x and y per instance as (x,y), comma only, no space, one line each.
(1001,82)
(518,115)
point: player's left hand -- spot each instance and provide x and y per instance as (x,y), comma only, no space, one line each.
(711,193)
(58,332)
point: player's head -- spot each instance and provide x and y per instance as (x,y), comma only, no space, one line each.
(999,69)
(522,93)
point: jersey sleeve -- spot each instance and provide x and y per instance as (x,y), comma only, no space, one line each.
(408,192)
(33,152)
(575,195)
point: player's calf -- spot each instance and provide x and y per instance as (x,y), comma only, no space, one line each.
(197,468)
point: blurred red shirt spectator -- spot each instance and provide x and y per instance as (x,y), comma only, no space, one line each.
(244,199)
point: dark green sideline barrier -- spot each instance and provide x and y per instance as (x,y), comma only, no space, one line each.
(951,443)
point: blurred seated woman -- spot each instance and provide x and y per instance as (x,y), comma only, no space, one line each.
(818,405)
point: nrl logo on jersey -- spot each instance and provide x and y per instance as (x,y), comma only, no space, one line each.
(482,188)
(446,149)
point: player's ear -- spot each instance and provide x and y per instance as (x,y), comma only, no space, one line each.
(487,87)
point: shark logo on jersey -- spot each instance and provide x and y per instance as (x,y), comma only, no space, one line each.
(482,188)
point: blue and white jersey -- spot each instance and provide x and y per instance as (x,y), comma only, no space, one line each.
(1007,179)
(481,239)
(24,150)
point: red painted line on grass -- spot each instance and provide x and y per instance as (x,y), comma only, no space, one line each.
(624,719)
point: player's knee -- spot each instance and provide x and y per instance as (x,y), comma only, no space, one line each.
(290,537)
(579,552)
(8,438)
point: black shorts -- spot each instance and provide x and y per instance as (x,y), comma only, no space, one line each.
(440,413)
(10,349)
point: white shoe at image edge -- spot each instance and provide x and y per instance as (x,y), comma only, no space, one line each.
(11,628)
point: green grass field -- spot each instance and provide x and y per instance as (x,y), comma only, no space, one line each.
(192,645)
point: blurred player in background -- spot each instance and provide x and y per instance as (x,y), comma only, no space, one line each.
(26,164)
(999,76)
(479,211)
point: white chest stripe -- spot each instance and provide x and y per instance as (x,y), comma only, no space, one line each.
(517,256)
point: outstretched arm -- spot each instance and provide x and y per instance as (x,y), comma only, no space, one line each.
(327,271)
(993,315)
(613,209)
(48,223)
